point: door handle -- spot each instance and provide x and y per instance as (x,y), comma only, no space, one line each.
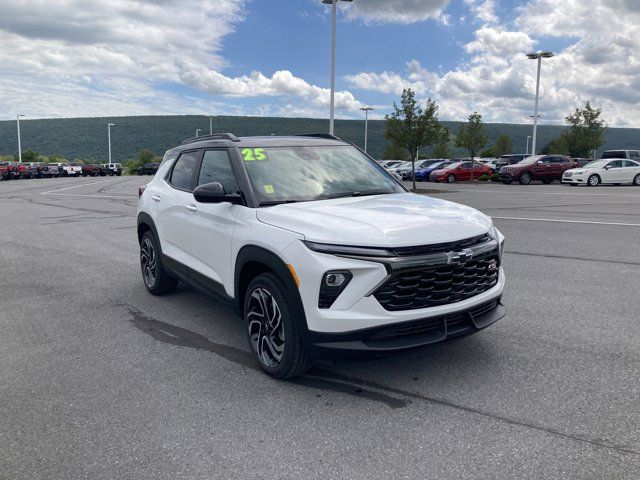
(156,198)
(192,208)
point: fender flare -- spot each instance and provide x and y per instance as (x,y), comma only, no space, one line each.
(145,219)
(253,253)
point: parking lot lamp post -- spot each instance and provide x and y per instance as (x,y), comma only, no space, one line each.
(537,56)
(334,5)
(366,111)
(528,139)
(198,130)
(19,144)
(109,125)
(210,125)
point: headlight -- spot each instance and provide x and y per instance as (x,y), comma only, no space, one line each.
(495,234)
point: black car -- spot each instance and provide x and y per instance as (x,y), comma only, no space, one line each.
(148,169)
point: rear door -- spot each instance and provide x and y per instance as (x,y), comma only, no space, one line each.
(170,201)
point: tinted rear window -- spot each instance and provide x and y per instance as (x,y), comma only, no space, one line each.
(615,154)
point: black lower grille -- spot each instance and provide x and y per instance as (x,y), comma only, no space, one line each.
(441,285)
(435,328)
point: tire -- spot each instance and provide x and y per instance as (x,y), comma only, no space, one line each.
(636,180)
(593,181)
(525,178)
(451,178)
(280,353)
(155,277)
(118,174)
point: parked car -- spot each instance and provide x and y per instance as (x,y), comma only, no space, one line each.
(91,169)
(112,169)
(406,171)
(545,168)
(392,163)
(615,172)
(67,170)
(6,170)
(423,173)
(510,159)
(148,169)
(28,170)
(53,170)
(630,154)
(342,262)
(459,172)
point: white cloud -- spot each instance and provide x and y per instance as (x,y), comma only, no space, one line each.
(397,11)
(483,10)
(599,63)
(111,57)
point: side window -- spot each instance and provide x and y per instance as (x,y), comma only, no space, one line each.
(216,167)
(615,164)
(466,165)
(182,172)
(634,154)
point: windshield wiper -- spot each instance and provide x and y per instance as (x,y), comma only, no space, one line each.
(354,194)
(276,202)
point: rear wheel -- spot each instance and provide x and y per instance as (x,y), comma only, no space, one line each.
(156,278)
(525,178)
(593,181)
(272,328)
(636,180)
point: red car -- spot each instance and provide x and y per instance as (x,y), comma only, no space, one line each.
(545,168)
(460,171)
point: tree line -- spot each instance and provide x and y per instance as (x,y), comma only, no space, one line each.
(410,128)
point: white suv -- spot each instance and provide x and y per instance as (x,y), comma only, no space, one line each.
(323,252)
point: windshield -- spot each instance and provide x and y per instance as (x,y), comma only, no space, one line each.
(289,174)
(530,160)
(596,164)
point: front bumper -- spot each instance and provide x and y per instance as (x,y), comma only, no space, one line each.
(405,336)
(575,179)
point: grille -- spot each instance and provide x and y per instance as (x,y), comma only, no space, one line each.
(568,174)
(437,328)
(441,285)
(440,247)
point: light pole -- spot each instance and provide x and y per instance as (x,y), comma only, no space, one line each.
(334,5)
(537,56)
(109,125)
(19,143)
(528,138)
(366,111)
(198,130)
(210,125)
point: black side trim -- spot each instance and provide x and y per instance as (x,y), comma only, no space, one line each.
(196,279)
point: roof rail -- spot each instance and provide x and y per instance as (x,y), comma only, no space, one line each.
(213,136)
(318,135)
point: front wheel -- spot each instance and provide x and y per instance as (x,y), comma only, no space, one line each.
(156,278)
(636,180)
(451,178)
(272,328)
(525,178)
(593,181)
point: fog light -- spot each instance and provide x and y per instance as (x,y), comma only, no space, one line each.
(334,279)
(333,284)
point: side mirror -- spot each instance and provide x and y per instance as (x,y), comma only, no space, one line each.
(539,162)
(214,193)
(608,167)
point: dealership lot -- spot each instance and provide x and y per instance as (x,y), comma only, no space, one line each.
(100,379)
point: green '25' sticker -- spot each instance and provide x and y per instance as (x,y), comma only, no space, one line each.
(251,154)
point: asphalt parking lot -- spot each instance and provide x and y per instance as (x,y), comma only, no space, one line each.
(99,379)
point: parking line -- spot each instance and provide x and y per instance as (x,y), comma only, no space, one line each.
(53,192)
(529,192)
(556,220)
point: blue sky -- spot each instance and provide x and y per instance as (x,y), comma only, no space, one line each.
(271,57)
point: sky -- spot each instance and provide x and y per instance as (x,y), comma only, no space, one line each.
(75,58)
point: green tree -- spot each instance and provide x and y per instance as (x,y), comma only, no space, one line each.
(472,136)
(29,156)
(503,145)
(443,143)
(411,126)
(394,152)
(586,131)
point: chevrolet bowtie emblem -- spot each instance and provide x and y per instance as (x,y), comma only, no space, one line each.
(459,257)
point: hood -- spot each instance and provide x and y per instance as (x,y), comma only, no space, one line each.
(398,220)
